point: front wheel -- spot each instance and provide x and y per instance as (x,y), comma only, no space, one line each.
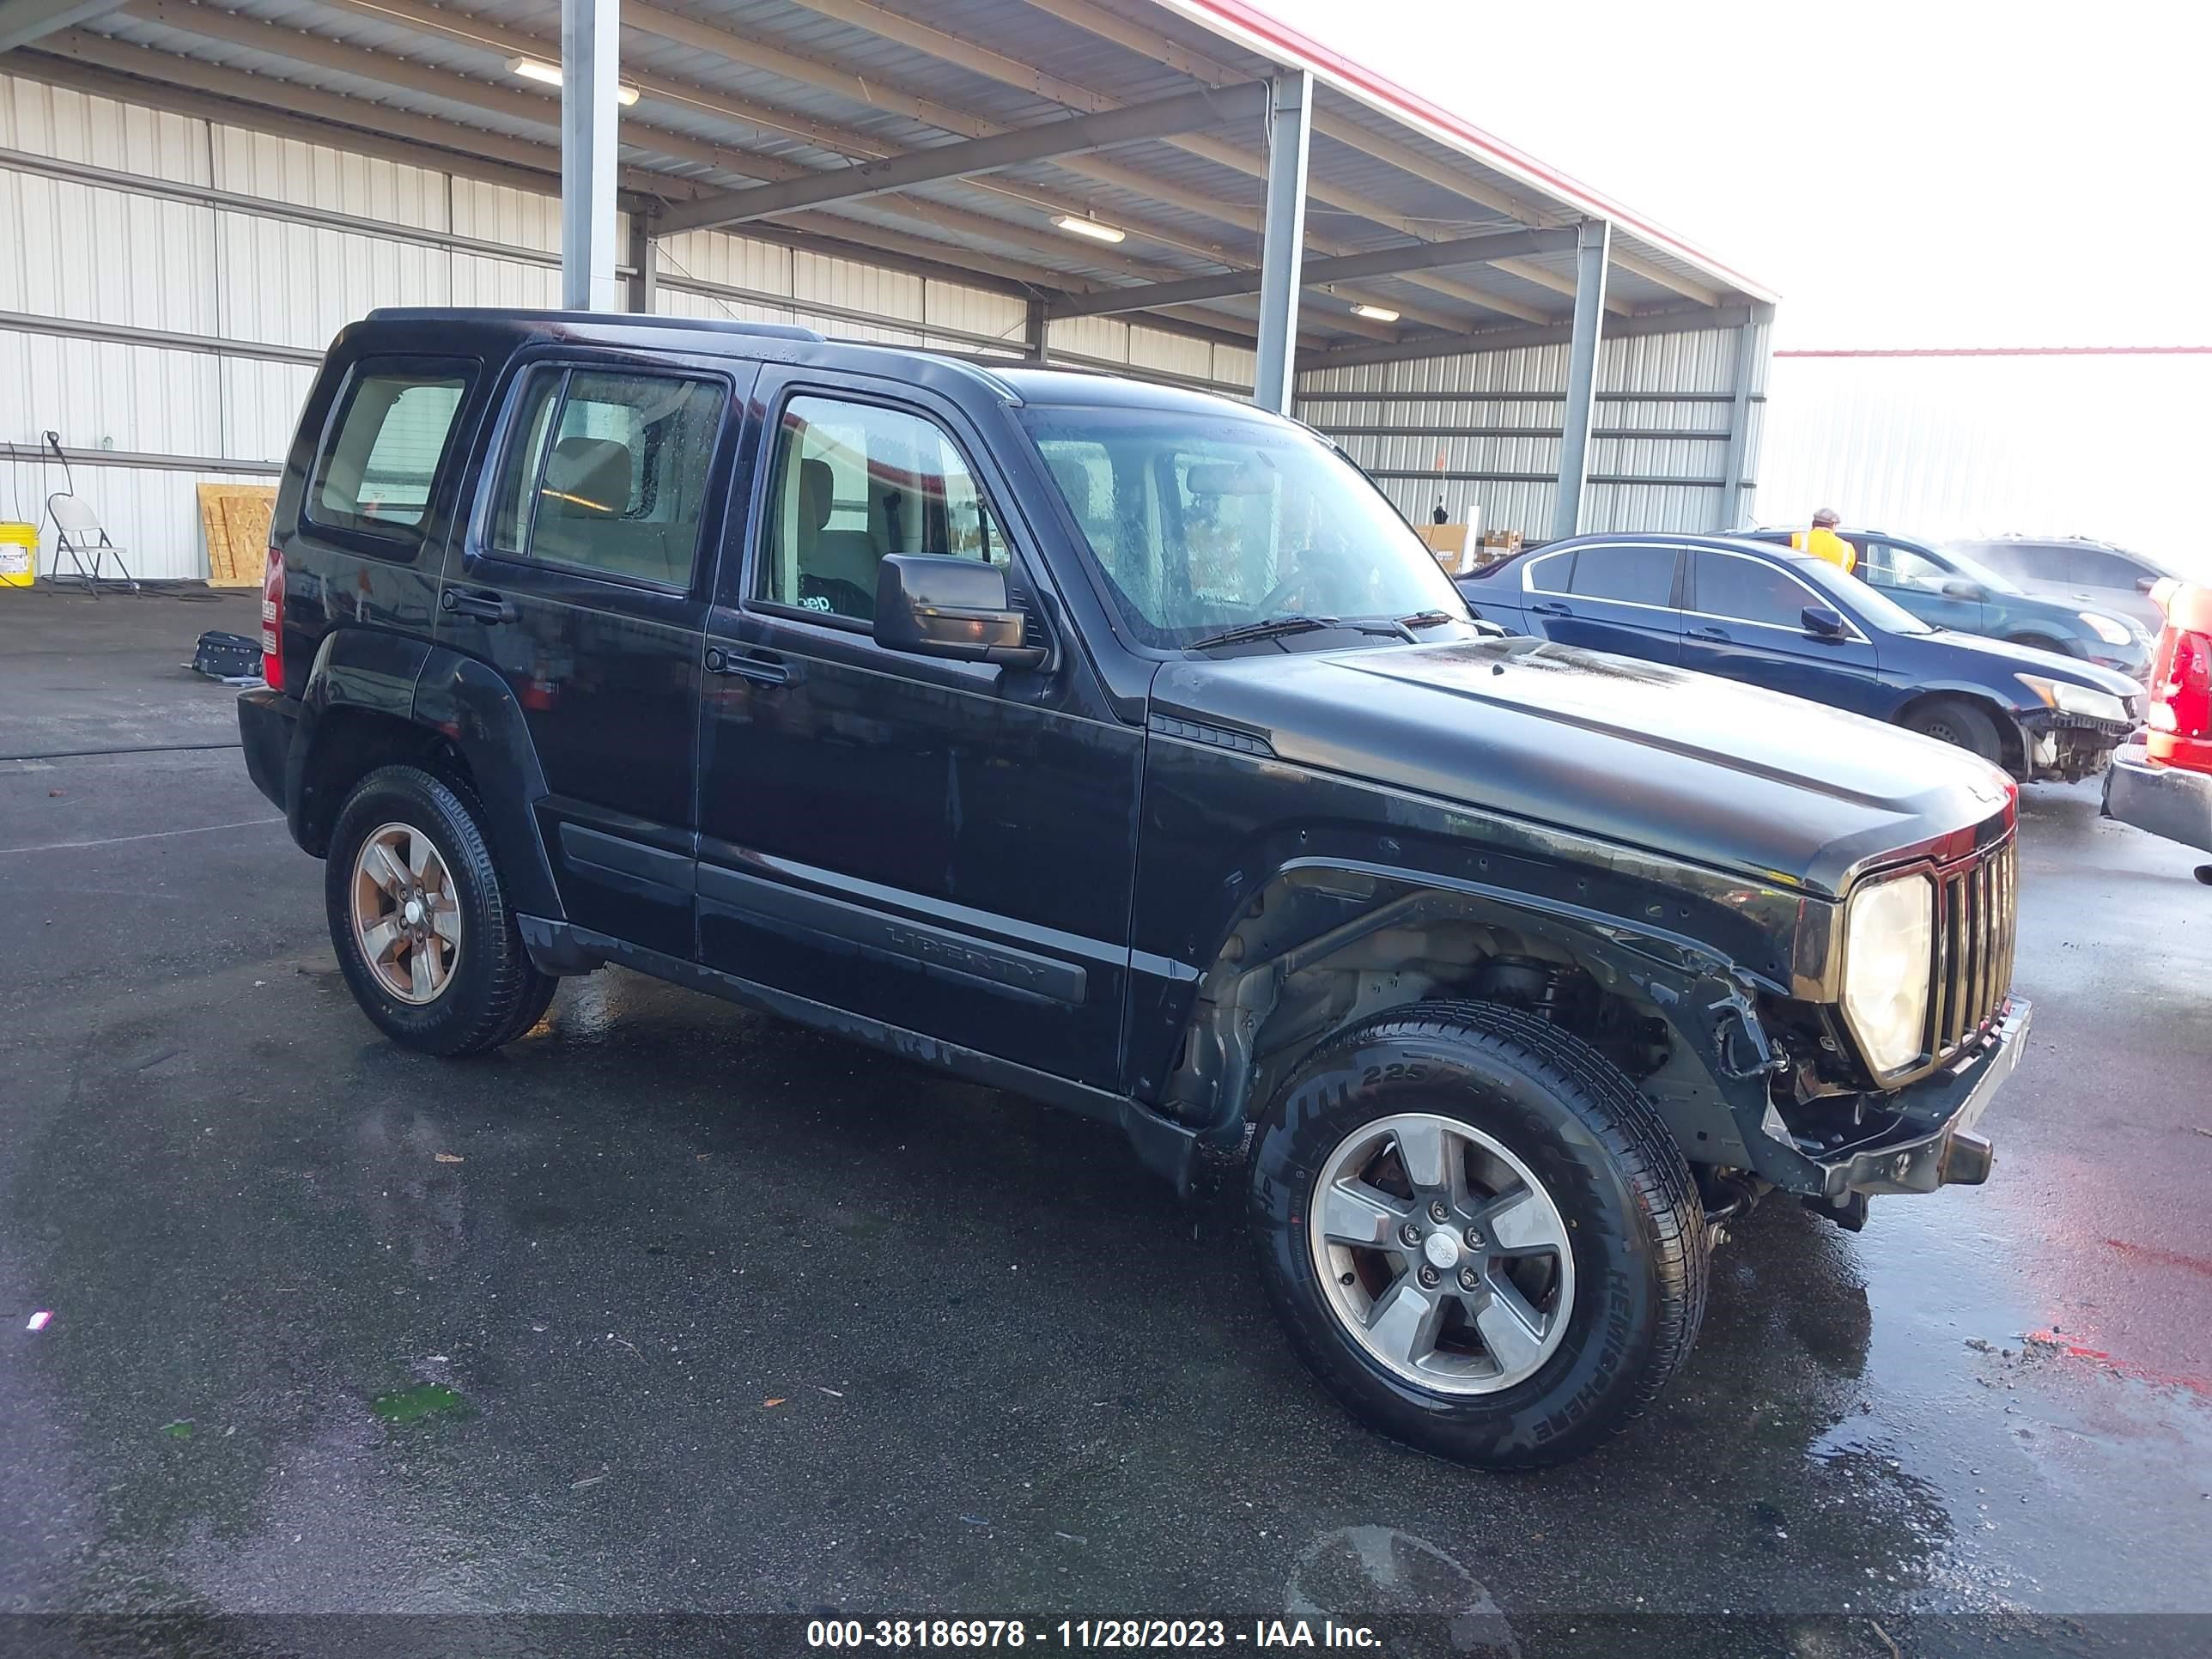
(1949,720)
(1478,1234)
(420,921)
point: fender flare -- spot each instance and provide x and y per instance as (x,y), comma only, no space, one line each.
(445,696)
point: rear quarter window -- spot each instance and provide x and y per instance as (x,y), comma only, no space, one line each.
(382,453)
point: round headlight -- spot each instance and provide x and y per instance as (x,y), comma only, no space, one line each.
(1889,939)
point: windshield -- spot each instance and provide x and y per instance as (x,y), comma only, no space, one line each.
(1203,523)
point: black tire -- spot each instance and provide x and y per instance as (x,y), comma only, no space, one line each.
(1957,722)
(1639,1245)
(494,994)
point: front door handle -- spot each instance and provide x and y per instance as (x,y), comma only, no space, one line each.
(1551,608)
(482,604)
(1710,632)
(768,670)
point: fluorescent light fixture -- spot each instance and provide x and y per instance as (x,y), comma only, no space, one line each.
(537,69)
(1090,228)
(1376,314)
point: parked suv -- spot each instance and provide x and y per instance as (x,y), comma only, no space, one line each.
(1121,746)
(1945,588)
(2078,572)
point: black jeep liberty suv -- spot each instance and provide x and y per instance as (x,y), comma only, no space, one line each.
(1122,746)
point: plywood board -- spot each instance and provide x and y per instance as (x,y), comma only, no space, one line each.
(235,519)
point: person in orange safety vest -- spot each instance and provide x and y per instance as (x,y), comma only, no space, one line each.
(1822,541)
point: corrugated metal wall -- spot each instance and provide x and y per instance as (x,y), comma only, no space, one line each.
(2091,444)
(1482,429)
(245,299)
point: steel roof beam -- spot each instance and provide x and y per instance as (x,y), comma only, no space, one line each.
(1183,113)
(22,22)
(1379,262)
(1414,347)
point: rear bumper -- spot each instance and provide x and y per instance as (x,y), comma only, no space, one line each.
(267,721)
(1950,1154)
(2167,800)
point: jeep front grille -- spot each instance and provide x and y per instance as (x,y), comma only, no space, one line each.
(1974,935)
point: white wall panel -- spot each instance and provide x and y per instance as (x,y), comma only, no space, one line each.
(77,126)
(481,280)
(106,256)
(292,285)
(714,256)
(261,403)
(499,213)
(321,176)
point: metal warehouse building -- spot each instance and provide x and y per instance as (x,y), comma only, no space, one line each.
(200,196)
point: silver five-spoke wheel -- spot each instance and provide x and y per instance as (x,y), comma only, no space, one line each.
(1441,1253)
(405,916)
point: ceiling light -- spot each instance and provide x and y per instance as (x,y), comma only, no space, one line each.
(1090,228)
(1375,314)
(537,69)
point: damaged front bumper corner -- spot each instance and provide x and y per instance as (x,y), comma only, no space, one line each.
(1920,1158)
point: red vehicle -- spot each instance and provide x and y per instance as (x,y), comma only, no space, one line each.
(2164,785)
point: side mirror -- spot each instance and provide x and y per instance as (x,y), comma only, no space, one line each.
(1959,588)
(2146,584)
(935,606)
(1822,621)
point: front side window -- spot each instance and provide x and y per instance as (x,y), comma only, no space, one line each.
(2095,568)
(608,472)
(1202,522)
(1885,564)
(376,471)
(1627,575)
(1749,590)
(853,482)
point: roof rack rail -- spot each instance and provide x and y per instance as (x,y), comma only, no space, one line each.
(614,319)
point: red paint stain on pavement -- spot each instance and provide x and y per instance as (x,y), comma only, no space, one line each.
(2194,1264)
(2051,1342)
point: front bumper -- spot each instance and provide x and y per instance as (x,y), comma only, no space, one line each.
(2167,800)
(2069,746)
(1923,1159)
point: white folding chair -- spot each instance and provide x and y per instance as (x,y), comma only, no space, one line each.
(78,532)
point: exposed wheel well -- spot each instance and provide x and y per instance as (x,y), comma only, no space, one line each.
(1316,950)
(2012,744)
(349,745)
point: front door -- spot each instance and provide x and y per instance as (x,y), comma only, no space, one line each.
(1918,582)
(945,847)
(1743,618)
(584,582)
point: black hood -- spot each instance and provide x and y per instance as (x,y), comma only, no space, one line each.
(1679,764)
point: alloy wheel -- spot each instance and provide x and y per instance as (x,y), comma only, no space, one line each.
(405,916)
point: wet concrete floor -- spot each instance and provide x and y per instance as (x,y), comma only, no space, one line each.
(673,1308)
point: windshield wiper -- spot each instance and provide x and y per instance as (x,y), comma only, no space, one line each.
(1270,628)
(1427,619)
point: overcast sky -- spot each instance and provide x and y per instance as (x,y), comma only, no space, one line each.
(1932,173)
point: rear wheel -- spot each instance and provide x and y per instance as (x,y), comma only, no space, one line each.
(1478,1234)
(1948,719)
(420,921)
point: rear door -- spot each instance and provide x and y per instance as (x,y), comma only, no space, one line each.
(1608,596)
(584,580)
(1743,619)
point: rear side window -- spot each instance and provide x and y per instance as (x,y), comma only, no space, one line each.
(2095,567)
(608,473)
(377,468)
(1629,575)
(2035,563)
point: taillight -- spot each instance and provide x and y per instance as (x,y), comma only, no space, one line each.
(272,618)
(2181,689)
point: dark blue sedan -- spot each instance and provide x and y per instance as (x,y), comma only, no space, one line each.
(1790,623)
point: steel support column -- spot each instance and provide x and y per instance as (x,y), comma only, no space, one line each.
(591,35)
(1739,439)
(1592,244)
(1036,335)
(1282,239)
(644,266)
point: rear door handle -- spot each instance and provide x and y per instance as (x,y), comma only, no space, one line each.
(1551,608)
(484,605)
(765,669)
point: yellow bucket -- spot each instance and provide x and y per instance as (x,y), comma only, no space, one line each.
(19,554)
